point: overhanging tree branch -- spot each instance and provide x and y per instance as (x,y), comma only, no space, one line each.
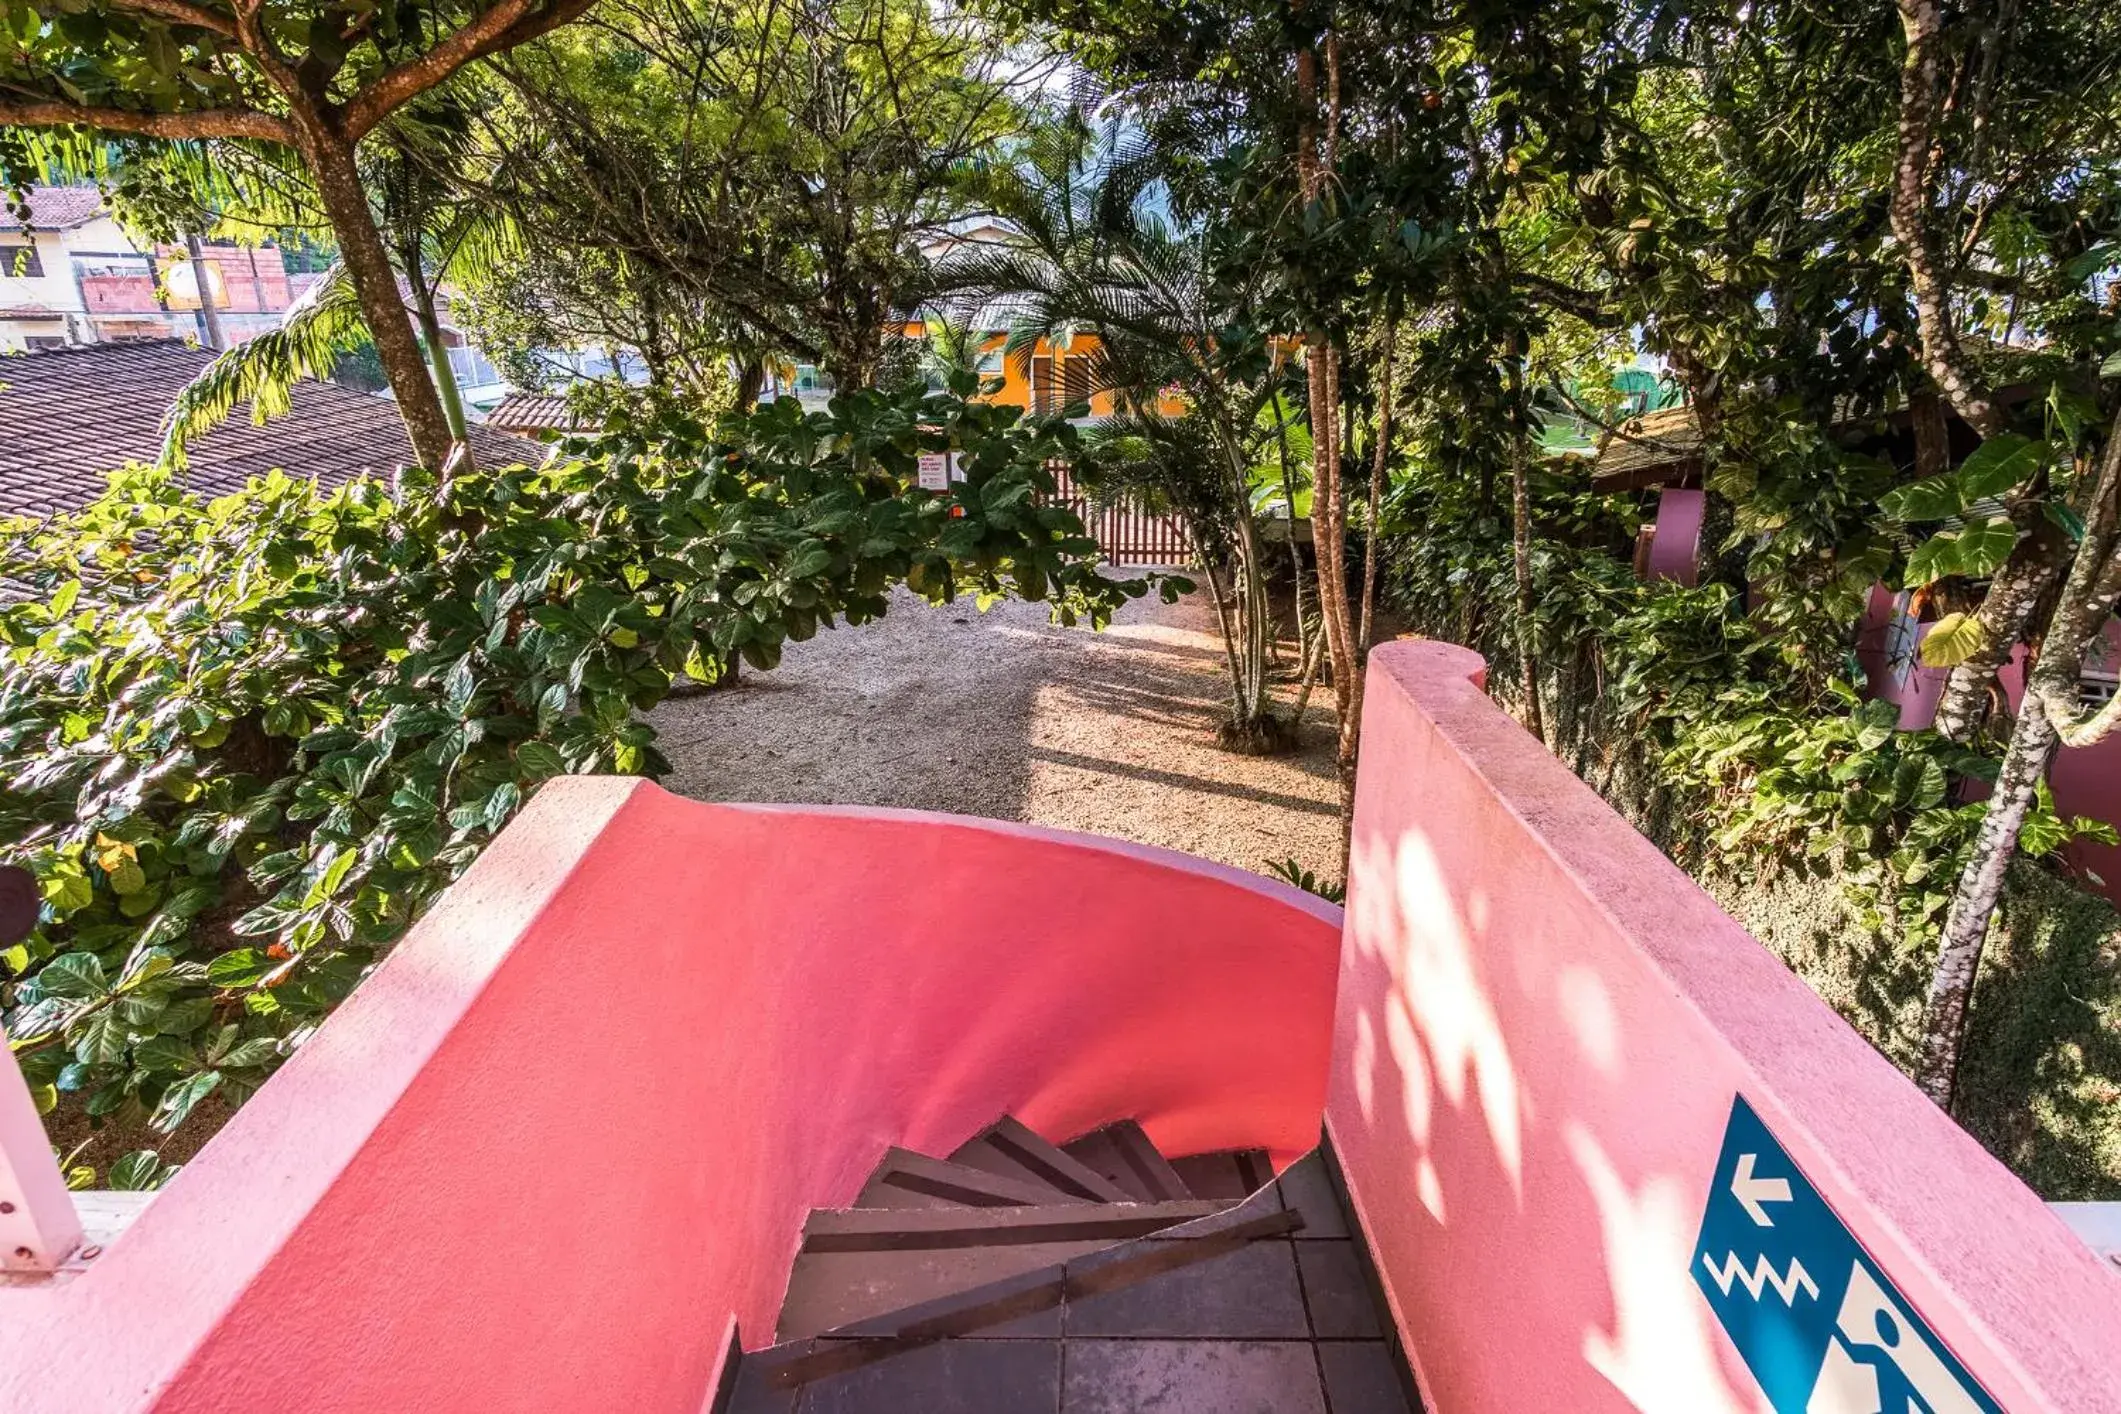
(179,12)
(218,123)
(1911,211)
(506,25)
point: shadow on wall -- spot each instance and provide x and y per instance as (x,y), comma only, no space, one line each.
(1542,1027)
(1433,1063)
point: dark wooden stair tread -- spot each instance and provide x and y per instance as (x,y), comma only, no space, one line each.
(908,1180)
(1122,1153)
(1013,1150)
(903,1229)
(832,1289)
(1101,1243)
(1015,1283)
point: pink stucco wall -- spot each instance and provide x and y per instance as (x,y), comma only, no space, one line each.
(571,1127)
(1541,1027)
(1675,551)
(2086,780)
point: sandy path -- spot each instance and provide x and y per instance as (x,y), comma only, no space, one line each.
(1001,714)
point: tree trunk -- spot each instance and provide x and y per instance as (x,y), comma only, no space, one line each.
(2006,607)
(209,312)
(331,163)
(1980,886)
(1229,635)
(2045,718)
(1317,137)
(1329,546)
(750,378)
(1521,560)
(1921,96)
(1296,558)
(1380,467)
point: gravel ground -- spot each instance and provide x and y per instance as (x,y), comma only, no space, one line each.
(1003,714)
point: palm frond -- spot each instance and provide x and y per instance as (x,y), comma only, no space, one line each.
(318,328)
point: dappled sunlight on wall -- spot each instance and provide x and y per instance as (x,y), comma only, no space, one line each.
(1541,1028)
(1660,1350)
(1442,1032)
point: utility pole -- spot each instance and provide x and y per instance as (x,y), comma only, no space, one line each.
(209,315)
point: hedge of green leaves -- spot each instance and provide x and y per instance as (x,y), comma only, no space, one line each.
(1747,744)
(246,743)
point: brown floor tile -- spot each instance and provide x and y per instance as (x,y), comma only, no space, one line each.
(1190,1377)
(1249,1294)
(1363,1378)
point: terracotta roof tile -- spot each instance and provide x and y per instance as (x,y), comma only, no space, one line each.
(69,416)
(56,208)
(534,412)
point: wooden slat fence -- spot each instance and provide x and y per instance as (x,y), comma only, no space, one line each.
(1126,534)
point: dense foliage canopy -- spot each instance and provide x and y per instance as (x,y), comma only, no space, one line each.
(248,740)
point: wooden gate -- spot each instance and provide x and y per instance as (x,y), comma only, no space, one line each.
(1126,534)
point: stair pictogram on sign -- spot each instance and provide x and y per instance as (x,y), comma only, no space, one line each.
(1815,1318)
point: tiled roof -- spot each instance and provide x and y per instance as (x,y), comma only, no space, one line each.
(1649,450)
(534,412)
(71,415)
(56,208)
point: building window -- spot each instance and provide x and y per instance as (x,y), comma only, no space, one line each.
(1075,379)
(37,343)
(20,262)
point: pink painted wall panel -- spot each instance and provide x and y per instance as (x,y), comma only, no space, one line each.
(1675,551)
(1541,1027)
(2086,780)
(1916,690)
(571,1127)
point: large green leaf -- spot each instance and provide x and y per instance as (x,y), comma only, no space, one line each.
(1932,560)
(2001,463)
(1984,545)
(77,976)
(1933,498)
(1953,639)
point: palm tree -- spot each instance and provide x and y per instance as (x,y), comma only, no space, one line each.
(1176,343)
(426,231)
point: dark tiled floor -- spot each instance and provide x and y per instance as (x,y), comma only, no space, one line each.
(1281,1326)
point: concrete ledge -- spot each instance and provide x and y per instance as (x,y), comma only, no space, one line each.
(569,1130)
(1541,1029)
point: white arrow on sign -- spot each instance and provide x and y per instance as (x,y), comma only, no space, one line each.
(1751,1192)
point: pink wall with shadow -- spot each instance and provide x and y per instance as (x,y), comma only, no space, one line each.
(571,1127)
(1675,551)
(2086,780)
(1541,1027)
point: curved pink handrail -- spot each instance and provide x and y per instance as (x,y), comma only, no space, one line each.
(571,1127)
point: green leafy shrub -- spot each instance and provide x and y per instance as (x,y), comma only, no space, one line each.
(247,742)
(1847,794)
